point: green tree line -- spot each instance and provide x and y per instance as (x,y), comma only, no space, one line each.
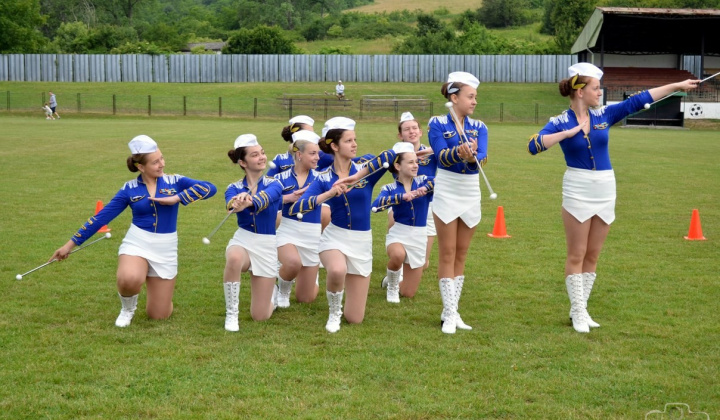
(275,26)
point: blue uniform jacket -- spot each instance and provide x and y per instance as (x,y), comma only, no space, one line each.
(411,213)
(148,215)
(589,151)
(285,161)
(426,166)
(444,140)
(260,216)
(289,182)
(352,209)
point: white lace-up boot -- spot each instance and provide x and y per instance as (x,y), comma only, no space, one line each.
(393,286)
(129,304)
(284,290)
(574,284)
(384,283)
(459,282)
(232,301)
(449,313)
(588,281)
(335,310)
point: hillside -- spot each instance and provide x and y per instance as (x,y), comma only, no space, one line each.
(453,6)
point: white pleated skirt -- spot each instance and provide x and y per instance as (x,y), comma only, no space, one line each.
(588,193)
(355,245)
(305,237)
(159,249)
(430,226)
(262,250)
(413,239)
(457,196)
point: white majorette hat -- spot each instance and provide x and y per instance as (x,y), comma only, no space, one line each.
(339,81)
(403,147)
(306,135)
(406,116)
(142,144)
(343,123)
(245,140)
(585,69)
(302,119)
(464,78)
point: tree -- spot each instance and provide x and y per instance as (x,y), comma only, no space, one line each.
(503,13)
(20,21)
(568,18)
(260,40)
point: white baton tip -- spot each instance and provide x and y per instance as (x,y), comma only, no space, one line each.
(108,235)
(386,165)
(271,164)
(448,104)
(493,196)
(374,209)
(18,277)
(299,216)
(647,106)
(206,241)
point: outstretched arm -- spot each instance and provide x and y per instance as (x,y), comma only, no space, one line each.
(662,91)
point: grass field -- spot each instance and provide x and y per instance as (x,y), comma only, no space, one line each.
(428,6)
(655,295)
(502,102)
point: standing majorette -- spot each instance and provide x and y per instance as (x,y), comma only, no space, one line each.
(346,244)
(148,253)
(588,206)
(456,202)
(253,247)
(298,239)
(406,242)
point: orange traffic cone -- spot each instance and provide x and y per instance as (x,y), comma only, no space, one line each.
(695,232)
(499,230)
(98,207)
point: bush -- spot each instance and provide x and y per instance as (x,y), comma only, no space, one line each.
(140,47)
(260,40)
(344,50)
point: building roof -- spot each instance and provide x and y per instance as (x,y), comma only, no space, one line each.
(212,46)
(631,30)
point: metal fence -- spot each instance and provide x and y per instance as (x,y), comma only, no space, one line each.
(230,68)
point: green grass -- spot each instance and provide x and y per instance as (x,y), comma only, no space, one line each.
(378,46)
(655,295)
(501,102)
(427,6)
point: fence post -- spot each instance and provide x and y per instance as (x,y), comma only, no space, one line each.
(325,109)
(43,98)
(149,105)
(114,105)
(396,109)
(361,109)
(431,108)
(255,108)
(79,109)
(536,113)
(220,106)
(184,106)
(501,111)
(290,108)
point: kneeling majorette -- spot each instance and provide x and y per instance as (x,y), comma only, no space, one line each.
(253,248)
(406,242)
